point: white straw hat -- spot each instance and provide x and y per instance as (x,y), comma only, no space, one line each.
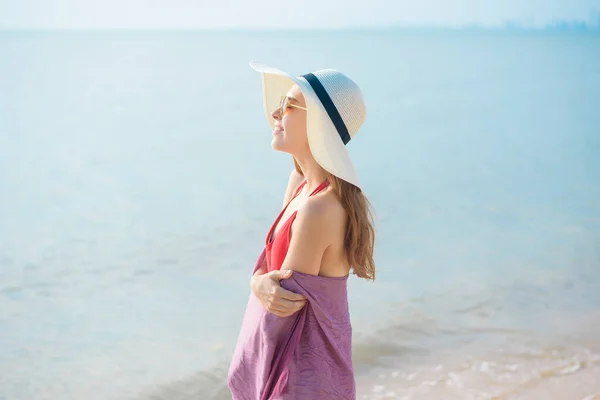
(335,110)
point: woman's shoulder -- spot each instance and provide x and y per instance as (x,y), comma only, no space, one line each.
(324,209)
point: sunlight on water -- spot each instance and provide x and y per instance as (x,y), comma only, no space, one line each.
(137,183)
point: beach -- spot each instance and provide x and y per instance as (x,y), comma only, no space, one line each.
(137,186)
(537,370)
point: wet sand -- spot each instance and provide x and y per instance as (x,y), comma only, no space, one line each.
(548,372)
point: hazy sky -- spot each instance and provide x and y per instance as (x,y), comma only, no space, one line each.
(201,14)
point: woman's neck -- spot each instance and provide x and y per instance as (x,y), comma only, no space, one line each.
(313,173)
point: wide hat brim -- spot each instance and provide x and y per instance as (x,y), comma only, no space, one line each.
(324,141)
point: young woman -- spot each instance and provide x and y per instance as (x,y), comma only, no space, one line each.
(295,341)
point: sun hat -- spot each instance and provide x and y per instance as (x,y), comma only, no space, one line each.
(335,110)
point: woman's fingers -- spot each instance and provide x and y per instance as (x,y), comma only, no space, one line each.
(280,311)
(284,308)
(274,298)
(287,304)
(286,294)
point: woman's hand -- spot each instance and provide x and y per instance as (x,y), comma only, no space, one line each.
(273,297)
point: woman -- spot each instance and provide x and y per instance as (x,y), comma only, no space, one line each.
(295,341)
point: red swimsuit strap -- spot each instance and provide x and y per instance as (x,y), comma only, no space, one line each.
(322,186)
(297,191)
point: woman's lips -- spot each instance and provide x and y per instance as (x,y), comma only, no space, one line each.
(277,130)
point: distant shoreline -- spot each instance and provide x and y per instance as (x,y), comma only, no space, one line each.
(367,29)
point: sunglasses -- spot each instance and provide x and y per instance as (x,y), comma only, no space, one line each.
(284,104)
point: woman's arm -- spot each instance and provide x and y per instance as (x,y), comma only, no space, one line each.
(265,285)
(314,227)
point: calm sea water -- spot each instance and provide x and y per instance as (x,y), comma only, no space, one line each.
(137,184)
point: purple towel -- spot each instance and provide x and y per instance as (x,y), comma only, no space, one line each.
(305,356)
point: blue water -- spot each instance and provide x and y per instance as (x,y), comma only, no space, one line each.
(137,183)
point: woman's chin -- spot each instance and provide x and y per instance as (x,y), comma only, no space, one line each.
(276,143)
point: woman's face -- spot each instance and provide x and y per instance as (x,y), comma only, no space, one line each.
(289,133)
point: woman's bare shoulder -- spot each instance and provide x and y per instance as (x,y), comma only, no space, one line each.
(326,205)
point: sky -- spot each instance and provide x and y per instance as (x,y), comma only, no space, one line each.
(270,14)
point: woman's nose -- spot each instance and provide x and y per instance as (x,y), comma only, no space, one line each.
(276,114)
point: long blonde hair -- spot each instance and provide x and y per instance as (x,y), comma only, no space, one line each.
(360,232)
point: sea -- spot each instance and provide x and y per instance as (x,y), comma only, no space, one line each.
(138,182)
